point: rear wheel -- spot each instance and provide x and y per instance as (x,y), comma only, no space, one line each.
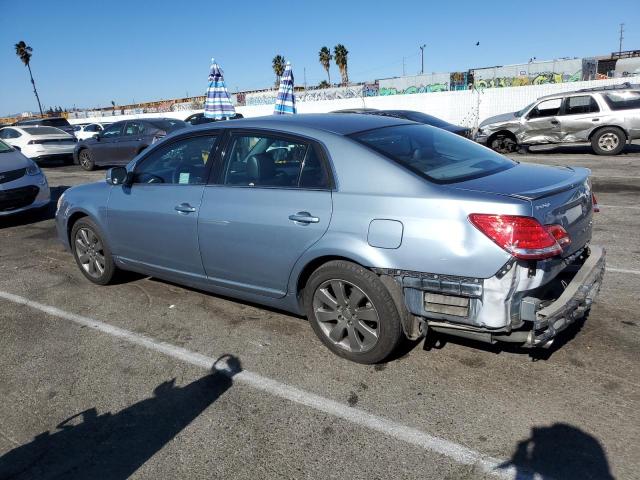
(608,141)
(86,160)
(92,254)
(352,312)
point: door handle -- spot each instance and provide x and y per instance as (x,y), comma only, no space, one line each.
(185,208)
(595,119)
(303,217)
(554,122)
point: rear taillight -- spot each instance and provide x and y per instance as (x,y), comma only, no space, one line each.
(594,202)
(523,237)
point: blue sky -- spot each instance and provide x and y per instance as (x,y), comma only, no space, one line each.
(89,53)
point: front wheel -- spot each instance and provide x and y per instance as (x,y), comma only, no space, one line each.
(608,141)
(503,144)
(86,160)
(91,252)
(352,312)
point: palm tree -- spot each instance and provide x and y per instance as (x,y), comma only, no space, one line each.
(278,63)
(23,51)
(325,60)
(340,53)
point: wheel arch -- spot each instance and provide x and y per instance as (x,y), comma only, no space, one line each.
(600,127)
(71,221)
(504,132)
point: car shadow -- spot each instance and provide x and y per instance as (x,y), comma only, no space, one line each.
(36,215)
(437,341)
(559,451)
(112,446)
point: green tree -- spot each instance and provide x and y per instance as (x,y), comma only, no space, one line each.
(278,63)
(325,60)
(24,53)
(340,54)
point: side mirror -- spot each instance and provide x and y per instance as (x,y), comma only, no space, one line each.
(117,176)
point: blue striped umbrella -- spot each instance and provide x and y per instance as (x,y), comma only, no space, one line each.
(286,100)
(218,104)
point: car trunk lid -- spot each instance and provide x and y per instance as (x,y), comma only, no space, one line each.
(558,196)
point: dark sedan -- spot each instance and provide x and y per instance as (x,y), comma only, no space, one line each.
(118,143)
(414,117)
(199,118)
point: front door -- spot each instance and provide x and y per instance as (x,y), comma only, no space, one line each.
(542,124)
(106,145)
(154,221)
(272,201)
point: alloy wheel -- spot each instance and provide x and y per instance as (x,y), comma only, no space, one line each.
(608,142)
(90,252)
(85,159)
(346,316)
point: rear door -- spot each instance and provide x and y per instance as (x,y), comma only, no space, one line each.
(542,124)
(154,221)
(579,116)
(270,202)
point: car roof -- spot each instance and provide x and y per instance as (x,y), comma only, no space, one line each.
(625,87)
(338,123)
(37,120)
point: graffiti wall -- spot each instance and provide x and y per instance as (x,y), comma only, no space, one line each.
(532,73)
(314,95)
(432,82)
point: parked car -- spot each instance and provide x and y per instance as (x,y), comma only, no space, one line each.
(40,143)
(199,118)
(605,118)
(373,227)
(423,118)
(118,143)
(83,132)
(57,122)
(23,186)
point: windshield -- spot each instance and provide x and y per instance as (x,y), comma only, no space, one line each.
(433,153)
(4,147)
(44,131)
(519,113)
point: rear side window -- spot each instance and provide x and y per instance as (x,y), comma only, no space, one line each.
(582,104)
(168,124)
(265,161)
(433,153)
(623,100)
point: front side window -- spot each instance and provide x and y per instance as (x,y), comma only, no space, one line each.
(547,108)
(433,153)
(265,161)
(112,131)
(623,100)
(582,104)
(91,128)
(180,163)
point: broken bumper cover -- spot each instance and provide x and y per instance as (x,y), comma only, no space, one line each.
(574,301)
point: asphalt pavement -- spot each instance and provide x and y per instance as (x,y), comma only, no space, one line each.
(119,381)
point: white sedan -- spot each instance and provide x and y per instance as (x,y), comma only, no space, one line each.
(88,131)
(39,143)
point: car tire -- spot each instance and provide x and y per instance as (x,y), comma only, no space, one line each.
(85,159)
(608,141)
(352,312)
(503,144)
(91,252)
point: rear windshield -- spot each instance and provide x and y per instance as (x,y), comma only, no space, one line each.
(55,122)
(168,124)
(623,100)
(428,119)
(433,153)
(4,147)
(43,131)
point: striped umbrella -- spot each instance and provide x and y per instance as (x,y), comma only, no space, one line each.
(218,104)
(286,100)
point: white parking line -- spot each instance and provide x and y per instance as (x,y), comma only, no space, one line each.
(454,451)
(623,270)
(634,207)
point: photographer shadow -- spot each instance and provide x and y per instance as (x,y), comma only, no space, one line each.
(112,446)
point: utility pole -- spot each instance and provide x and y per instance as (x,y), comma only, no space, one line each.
(305,78)
(422,47)
(621,38)
(403,70)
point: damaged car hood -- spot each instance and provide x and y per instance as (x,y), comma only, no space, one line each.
(504,117)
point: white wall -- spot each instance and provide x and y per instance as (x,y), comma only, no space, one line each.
(466,107)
